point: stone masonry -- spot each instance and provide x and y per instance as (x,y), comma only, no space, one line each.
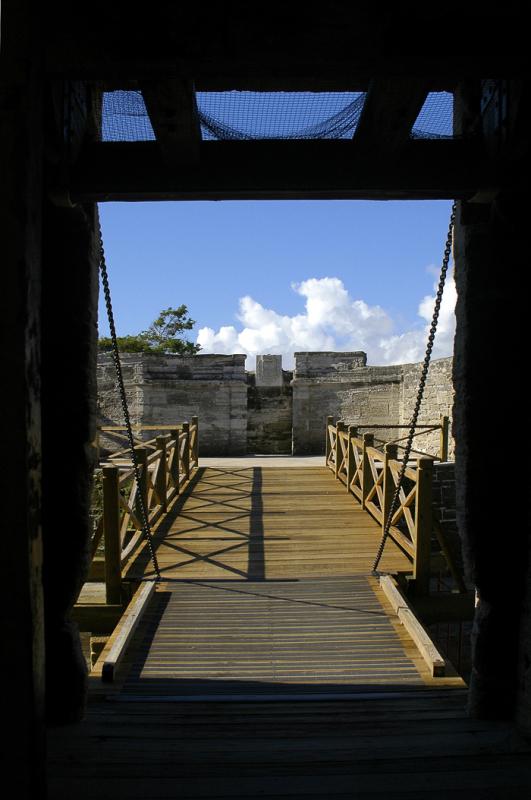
(272,410)
(343,386)
(269,415)
(171,389)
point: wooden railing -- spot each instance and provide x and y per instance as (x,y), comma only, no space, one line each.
(166,464)
(371,476)
(442,427)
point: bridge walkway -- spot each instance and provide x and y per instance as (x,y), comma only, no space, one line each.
(264,523)
(266,588)
(270,663)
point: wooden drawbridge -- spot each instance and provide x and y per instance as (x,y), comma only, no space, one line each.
(269,662)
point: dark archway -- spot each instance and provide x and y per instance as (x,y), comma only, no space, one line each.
(54,171)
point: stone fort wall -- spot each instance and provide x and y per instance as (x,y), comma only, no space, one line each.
(343,386)
(273,410)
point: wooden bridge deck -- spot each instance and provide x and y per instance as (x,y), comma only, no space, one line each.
(256,639)
(267,523)
(270,664)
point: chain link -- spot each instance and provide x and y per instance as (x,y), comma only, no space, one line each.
(146,528)
(420,393)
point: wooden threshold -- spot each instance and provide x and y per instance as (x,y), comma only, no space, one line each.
(435,661)
(113,654)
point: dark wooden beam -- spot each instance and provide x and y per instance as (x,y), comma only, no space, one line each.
(344,81)
(230,46)
(391,107)
(172,110)
(282,170)
(97,617)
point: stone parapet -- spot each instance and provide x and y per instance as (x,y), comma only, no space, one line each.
(239,413)
(328,364)
(167,389)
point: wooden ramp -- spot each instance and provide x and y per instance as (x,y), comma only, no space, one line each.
(269,663)
(267,592)
(271,638)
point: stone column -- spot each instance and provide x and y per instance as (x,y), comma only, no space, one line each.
(69,345)
(21,187)
(492,242)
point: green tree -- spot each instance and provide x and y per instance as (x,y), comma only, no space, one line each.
(162,336)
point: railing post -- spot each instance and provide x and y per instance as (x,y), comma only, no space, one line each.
(142,461)
(390,454)
(186,451)
(368,441)
(423,526)
(445,429)
(195,445)
(162,480)
(328,448)
(174,470)
(340,426)
(111,533)
(351,462)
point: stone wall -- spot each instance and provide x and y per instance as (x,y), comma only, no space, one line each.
(273,411)
(362,395)
(171,389)
(109,405)
(343,386)
(269,416)
(438,400)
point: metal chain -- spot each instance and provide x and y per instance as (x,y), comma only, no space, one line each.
(420,393)
(146,528)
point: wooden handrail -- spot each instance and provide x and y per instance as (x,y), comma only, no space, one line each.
(165,468)
(443,426)
(371,475)
(138,427)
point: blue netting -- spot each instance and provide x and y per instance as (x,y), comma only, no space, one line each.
(269,115)
(125,118)
(436,117)
(279,115)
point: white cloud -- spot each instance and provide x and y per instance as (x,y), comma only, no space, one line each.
(332,320)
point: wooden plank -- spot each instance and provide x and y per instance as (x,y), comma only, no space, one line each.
(402,541)
(307,526)
(320,636)
(435,661)
(138,428)
(111,534)
(271,169)
(283,52)
(97,570)
(423,526)
(96,617)
(391,107)
(114,652)
(172,109)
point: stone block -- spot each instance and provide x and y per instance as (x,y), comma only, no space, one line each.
(269,370)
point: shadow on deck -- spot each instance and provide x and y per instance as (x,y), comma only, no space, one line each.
(259,523)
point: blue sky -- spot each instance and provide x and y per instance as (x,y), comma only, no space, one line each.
(210,255)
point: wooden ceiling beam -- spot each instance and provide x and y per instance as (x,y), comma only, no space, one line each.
(230,46)
(391,107)
(172,110)
(219,82)
(282,170)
